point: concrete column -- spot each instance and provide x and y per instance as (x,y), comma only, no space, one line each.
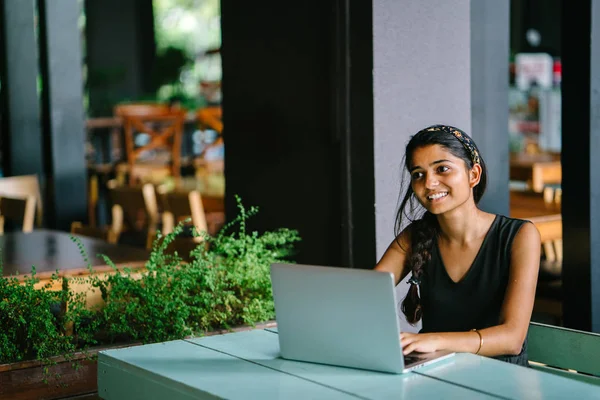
(120,49)
(64,127)
(22,134)
(421,76)
(490,24)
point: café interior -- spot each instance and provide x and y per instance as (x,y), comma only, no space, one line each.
(149,148)
(154,145)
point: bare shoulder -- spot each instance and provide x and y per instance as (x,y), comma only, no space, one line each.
(527,235)
(526,248)
(394,258)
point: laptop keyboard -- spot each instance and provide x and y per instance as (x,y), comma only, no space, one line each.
(412,359)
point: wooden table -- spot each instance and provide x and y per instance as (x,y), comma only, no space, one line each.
(246,365)
(537,170)
(52,250)
(212,190)
(526,205)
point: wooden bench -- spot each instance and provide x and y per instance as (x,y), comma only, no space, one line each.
(566,352)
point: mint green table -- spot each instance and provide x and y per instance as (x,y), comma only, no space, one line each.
(246,365)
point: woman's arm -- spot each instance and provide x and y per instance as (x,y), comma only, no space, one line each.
(509,335)
(394,258)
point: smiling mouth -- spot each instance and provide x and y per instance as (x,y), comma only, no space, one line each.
(437,196)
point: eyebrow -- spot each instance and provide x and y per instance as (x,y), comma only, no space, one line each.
(433,163)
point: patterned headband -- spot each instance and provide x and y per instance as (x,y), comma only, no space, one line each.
(462,138)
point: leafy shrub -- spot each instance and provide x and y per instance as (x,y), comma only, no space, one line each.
(31,320)
(226,283)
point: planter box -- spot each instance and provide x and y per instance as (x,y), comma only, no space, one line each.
(24,380)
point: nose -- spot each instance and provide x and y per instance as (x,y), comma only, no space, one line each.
(431,181)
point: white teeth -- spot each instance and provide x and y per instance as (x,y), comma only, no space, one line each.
(437,196)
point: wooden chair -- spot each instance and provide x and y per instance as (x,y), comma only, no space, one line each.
(182,245)
(21,211)
(164,127)
(134,208)
(106,233)
(552,198)
(549,288)
(211,118)
(178,206)
(566,352)
(23,186)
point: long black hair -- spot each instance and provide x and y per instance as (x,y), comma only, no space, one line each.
(424,230)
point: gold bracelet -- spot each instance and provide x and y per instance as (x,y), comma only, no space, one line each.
(480,340)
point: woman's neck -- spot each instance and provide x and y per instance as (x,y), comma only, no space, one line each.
(463,225)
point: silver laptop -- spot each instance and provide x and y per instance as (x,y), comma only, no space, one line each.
(343,317)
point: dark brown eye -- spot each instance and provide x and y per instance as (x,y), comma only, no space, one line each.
(416,175)
(443,168)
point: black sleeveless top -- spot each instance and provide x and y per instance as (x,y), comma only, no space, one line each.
(475,301)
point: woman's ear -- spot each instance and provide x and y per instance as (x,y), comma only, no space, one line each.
(475,175)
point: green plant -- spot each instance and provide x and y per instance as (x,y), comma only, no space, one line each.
(226,283)
(32,321)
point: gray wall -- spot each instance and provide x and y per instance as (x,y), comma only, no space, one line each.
(421,76)
(490,24)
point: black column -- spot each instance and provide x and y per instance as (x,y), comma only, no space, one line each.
(120,49)
(281,152)
(298,123)
(353,126)
(581,164)
(21,132)
(63,113)
(490,24)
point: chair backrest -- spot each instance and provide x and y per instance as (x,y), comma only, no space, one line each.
(210,117)
(164,127)
(550,227)
(141,110)
(134,206)
(18,210)
(563,351)
(178,205)
(107,234)
(182,245)
(22,186)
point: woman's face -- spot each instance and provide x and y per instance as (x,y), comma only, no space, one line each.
(440,180)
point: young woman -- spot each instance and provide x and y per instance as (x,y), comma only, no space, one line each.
(474,273)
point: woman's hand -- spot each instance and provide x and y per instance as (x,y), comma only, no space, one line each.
(420,342)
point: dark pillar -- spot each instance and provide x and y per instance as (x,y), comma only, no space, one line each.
(490,24)
(353,126)
(21,132)
(581,164)
(120,50)
(282,153)
(64,132)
